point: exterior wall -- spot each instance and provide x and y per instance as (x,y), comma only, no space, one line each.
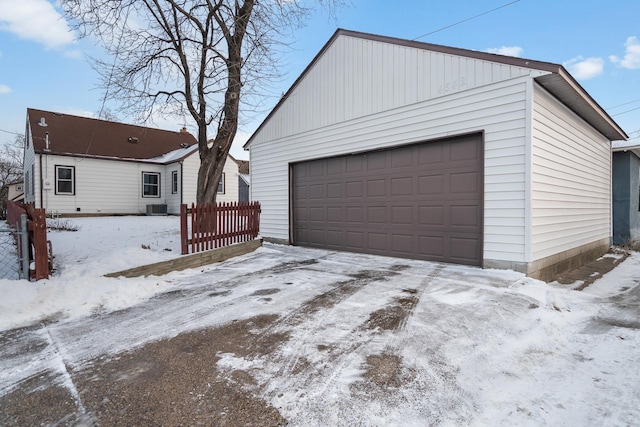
(626,211)
(31,185)
(172,199)
(101,186)
(356,78)
(498,109)
(570,180)
(190,180)
(189,183)
(230,182)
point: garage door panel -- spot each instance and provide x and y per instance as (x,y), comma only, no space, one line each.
(377,241)
(355,214)
(402,215)
(376,187)
(431,184)
(402,186)
(433,246)
(464,182)
(431,154)
(335,214)
(465,216)
(401,159)
(334,190)
(402,243)
(355,240)
(422,201)
(464,249)
(377,214)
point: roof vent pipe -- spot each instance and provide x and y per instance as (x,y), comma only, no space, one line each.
(46,141)
(133,140)
(42,122)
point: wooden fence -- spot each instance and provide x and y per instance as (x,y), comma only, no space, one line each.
(39,249)
(210,226)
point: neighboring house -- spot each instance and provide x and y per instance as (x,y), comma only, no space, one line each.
(244,181)
(15,191)
(408,149)
(626,192)
(82,166)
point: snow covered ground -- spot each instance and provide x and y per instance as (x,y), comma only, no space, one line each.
(371,340)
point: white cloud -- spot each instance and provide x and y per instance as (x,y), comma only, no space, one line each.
(585,68)
(35,20)
(507,50)
(4,89)
(631,58)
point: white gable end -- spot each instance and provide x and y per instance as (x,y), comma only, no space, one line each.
(357,77)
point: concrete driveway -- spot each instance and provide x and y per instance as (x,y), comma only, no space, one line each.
(294,336)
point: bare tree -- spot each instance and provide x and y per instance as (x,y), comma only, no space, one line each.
(197,58)
(11,160)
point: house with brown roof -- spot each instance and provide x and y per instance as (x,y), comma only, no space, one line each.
(82,166)
(401,148)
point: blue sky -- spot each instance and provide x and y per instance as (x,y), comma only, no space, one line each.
(43,66)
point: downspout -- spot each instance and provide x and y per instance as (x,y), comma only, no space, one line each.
(41,182)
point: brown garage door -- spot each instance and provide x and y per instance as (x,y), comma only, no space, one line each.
(422,201)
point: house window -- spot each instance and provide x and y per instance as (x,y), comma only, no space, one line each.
(65,180)
(150,184)
(221,184)
(174,182)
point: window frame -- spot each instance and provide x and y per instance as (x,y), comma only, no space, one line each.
(222,185)
(174,182)
(72,180)
(157,185)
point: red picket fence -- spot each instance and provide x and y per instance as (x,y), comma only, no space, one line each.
(209,226)
(40,248)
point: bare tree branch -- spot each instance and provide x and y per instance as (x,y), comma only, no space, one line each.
(211,58)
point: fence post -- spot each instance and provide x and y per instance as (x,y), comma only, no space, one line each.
(40,250)
(23,250)
(184,238)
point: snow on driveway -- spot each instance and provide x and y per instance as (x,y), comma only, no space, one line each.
(369,340)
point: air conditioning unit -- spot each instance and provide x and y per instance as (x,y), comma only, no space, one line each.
(156,209)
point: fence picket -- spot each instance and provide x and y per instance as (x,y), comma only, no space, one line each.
(218,224)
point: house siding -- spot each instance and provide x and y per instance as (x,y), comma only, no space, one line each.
(357,78)
(498,109)
(172,199)
(31,184)
(626,209)
(101,186)
(570,180)
(230,182)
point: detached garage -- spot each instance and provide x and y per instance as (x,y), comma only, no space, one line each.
(407,149)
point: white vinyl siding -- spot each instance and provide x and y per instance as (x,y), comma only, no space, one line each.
(570,179)
(102,186)
(356,77)
(190,167)
(31,185)
(230,182)
(497,109)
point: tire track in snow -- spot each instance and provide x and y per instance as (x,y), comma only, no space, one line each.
(292,373)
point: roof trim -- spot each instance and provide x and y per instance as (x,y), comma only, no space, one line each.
(598,118)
